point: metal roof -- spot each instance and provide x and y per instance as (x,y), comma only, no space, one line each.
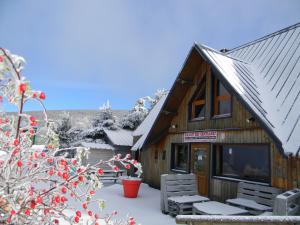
(265,77)
(120,137)
(275,62)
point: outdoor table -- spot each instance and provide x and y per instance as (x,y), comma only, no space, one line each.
(217,208)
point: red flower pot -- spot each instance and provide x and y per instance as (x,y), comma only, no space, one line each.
(131,187)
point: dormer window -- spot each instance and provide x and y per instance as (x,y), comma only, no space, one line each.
(197,105)
(221,100)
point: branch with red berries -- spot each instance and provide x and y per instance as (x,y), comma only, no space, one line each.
(37,184)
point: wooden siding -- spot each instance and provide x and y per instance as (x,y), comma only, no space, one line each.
(285,171)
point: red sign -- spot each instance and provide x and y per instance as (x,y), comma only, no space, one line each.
(201,136)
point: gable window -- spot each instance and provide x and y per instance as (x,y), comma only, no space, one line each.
(221,99)
(180,157)
(243,161)
(197,105)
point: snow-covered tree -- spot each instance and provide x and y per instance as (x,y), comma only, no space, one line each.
(136,116)
(105,118)
(63,128)
(35,184)
(157,96)
(140,110)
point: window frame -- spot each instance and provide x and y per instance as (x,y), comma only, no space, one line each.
(224,177)
(172,163)
(198,102)
(216,99)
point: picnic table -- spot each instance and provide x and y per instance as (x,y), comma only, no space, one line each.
(217,208)
(112,175)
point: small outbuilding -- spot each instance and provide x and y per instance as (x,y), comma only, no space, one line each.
(230,116)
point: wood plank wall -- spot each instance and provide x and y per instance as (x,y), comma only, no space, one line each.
(285,172)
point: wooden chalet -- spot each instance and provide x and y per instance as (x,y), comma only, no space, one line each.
(230,116)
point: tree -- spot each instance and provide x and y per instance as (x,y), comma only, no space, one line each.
(157,96)
(35,184)
(63,130)
(136,116)
(140,110)
(105,118)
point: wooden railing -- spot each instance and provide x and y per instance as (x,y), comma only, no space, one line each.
(237,220)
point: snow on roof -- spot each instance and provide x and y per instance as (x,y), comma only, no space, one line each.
(145,127)
(265,77)
(101,146)
(120,137)
(275,62)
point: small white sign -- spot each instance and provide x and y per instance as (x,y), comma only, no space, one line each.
(200,136)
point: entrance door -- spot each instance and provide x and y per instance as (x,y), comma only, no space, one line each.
(200,166)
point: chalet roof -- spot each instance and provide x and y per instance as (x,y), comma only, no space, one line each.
(264,75)
(144,128)
(120,137)
(100,146)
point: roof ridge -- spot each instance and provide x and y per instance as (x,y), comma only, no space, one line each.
(222,53)
(264,37)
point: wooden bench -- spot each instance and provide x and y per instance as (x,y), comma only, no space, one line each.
(255,198)
(178,193)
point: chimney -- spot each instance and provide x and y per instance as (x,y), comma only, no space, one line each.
(224,50)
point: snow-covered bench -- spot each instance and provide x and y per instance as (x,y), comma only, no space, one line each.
(255,198)
(178,193)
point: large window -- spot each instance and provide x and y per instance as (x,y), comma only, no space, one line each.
(246,162)
(197,105)
(180,157)
(221,99)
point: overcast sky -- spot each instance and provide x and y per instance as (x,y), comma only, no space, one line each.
(84,52)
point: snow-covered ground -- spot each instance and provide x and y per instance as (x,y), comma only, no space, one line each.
(145,208)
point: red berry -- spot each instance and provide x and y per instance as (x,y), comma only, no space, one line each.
(1,58)
(32,118)
(56,221)
(127,166)
(16,142)
(74,161)
(63,199)
(51,172)
(92,192)
(42,95)
(27,212)
(19,163)
(22,88)
(65,175)
(80,178)
(78,213)
(43,154)
(32,204)
(116,169)
(50,160)
(34,95)
(76,219)
(100,171)
(57,199)
(84,205)
(90,213)
(63,190)
(12,212)
(39,200)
